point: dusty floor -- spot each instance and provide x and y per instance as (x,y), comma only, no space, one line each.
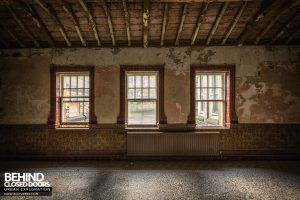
(166,180)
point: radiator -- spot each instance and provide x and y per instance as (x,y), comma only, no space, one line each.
(173,143)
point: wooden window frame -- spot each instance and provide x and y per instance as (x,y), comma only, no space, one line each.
(162,119)
(229,70)
(54,116)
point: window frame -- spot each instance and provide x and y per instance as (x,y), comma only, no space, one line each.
(54,119)
(159,69)
(230,113)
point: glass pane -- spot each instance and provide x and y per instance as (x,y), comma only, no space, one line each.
(210,114)
(73,81)
(211,94)
(66,80)
(130,94)
(219,81)
(203,81)
(219,94)
(201,112)
(152,81)
(87,92)
(130,81)
(74,112)
(80,81)
(138,93)
(145,93)
(197,94)
(138,81)
(152,93)
(197,81)
(203,94)
(141,113)
(145,81)
(86,81)
(66,92)
(80,92)
(73,92)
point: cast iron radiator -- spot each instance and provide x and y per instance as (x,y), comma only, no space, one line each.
(173,143)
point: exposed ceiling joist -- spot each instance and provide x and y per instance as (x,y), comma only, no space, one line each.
(12,35)
(265,8)
(286,8)
(127,22)
(146,15)
(184,12)
(68,9)
(289,39)
(217,22)
(164,24)
(91,20)
(201,19)
(22,25)
(50,11)
(110,24)
(286,27)
(235,21)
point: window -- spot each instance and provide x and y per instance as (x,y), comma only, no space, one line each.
(72,96)
(212,102)
(141,96)
(210,99)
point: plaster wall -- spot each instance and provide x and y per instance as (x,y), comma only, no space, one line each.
(267,80)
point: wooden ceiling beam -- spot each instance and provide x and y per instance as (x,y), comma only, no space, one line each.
(127,22)
(184,12)
(282,11)
(235,21)
(217,22)
(50,11)
(164,24)
(68,9)
(289,39)
(201,19)
(91,20)
(286,27)
(109,21)
(264,8)
(30,9)
(22,25)
(12,35)
(146,15)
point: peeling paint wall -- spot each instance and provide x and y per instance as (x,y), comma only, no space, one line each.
(267,80)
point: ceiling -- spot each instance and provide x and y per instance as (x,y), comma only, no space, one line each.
(119,23)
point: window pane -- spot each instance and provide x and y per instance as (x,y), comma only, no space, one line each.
(219,81)
(197,81)
(138,93)
(66,80)
(130,94)
(86,81)
(141,113)
(152,93)
(145,93)
(73,92)
(219,94)
(80,81)
(138,81)
(130,81)
(73,81)
(216,113)
(74,112)
(145,81)
(201,112)
(203,81)
(152,81)
(66,92)
(197,94)
(86,92)
(203,95)
(211,94)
